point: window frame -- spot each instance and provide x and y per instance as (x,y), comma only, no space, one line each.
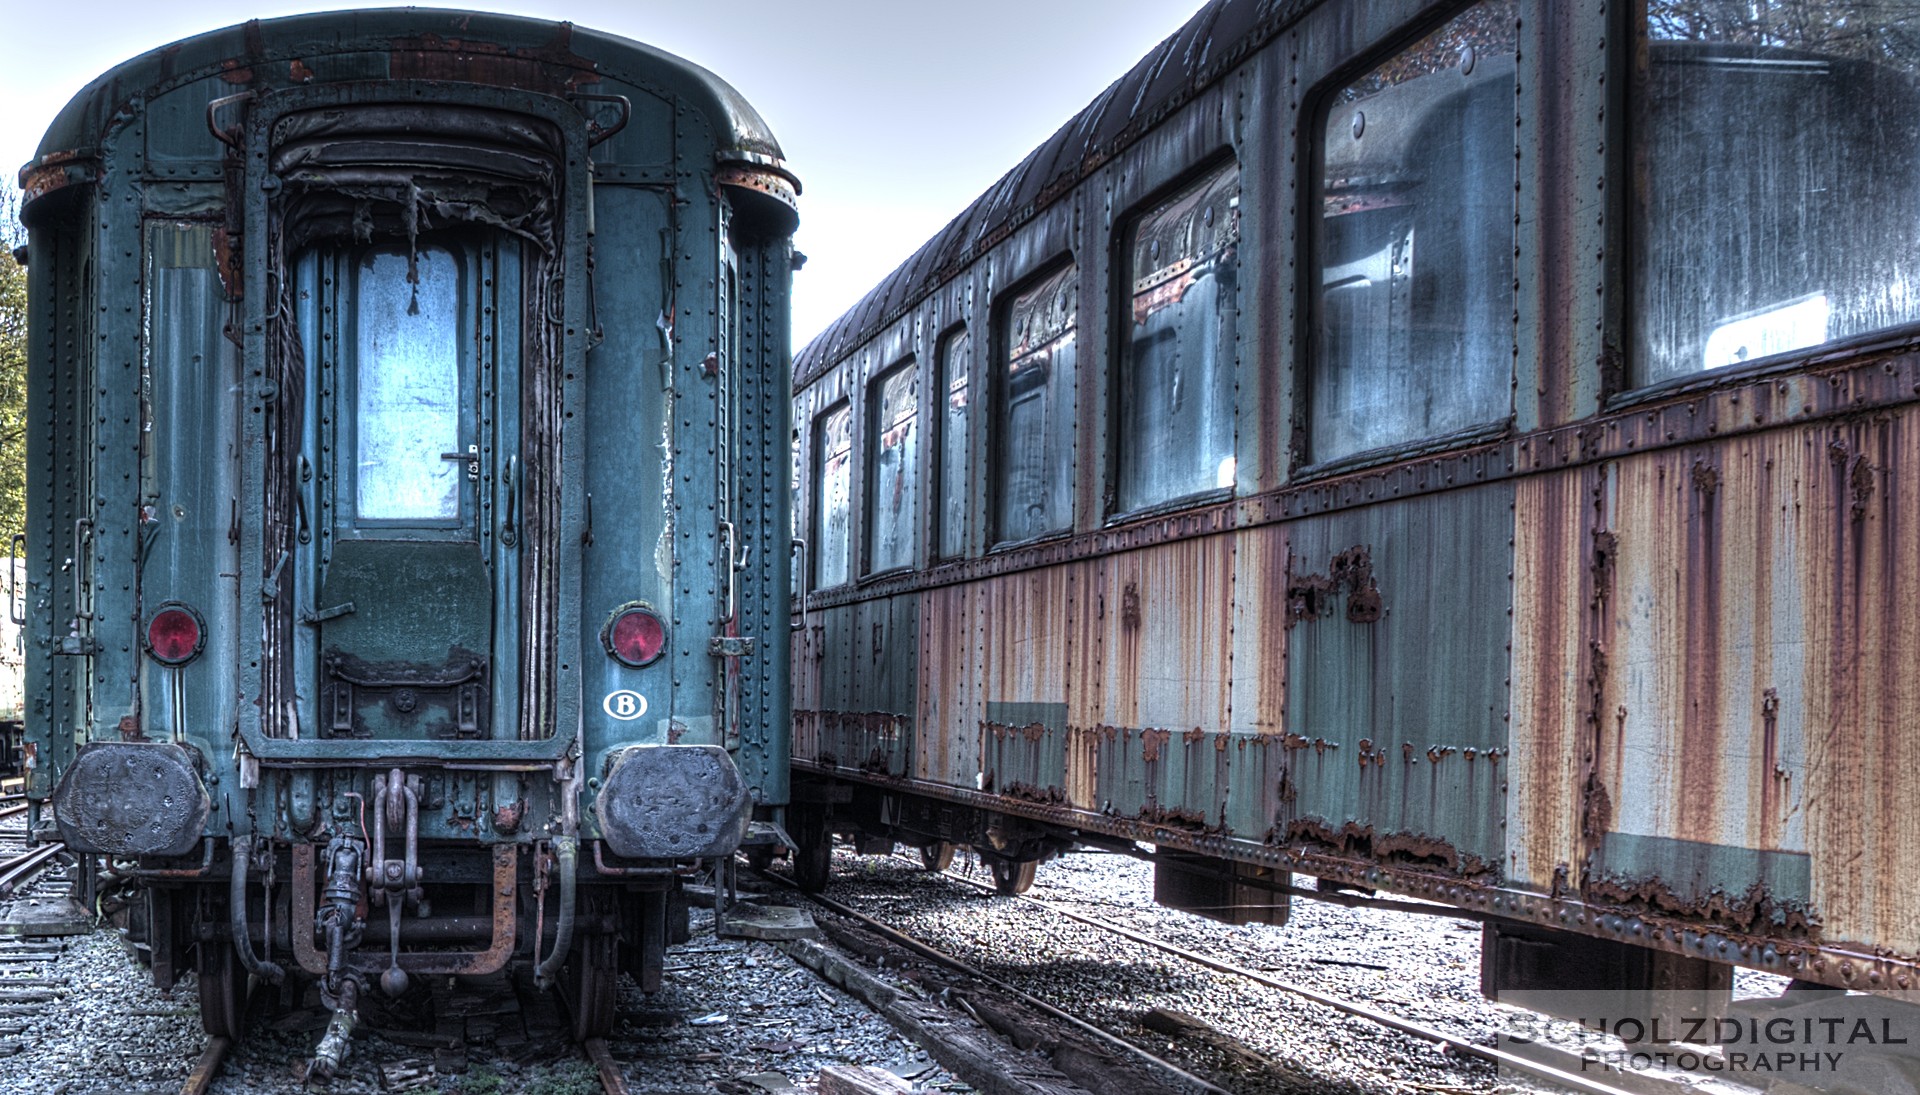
(816,505)
(1318,106)
(1001,361)
(907,365)
(1120,312)
(937,446)
(1620,387)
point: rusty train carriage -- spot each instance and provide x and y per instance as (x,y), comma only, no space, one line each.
(410,406)
(1574,585)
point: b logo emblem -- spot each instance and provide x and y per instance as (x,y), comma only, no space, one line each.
(624,705)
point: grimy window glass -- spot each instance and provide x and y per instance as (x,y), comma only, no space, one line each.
(833,491)
(893,468)
(408,386)
(796,575)
(1779,209)
(953,446)
(1176,369)
(1034,473)
(1413,334)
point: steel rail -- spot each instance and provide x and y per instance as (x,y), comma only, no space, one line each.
(200,1080)
(1182,1079)
(1502,1058)
(611,1081)
(14,871)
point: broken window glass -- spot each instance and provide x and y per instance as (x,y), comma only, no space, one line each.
(1176,368)
(953,445)
(1779,210)
(1414,318)
(833,440)
(893,469)
(1035,470)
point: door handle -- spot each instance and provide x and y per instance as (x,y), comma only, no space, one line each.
(472,457)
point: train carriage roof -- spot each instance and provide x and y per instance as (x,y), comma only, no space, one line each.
(1215,39)
(533,54)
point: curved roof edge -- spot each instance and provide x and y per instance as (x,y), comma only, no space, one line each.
(232,52)
(1212,43)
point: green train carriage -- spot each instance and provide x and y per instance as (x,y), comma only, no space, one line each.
(408,532)
(1464,450)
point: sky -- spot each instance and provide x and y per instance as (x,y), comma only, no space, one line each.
(895,115)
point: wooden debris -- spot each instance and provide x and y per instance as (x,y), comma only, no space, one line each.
(860,1080)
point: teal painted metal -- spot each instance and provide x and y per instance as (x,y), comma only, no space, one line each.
(1397,678)
(339,47)
(158,297)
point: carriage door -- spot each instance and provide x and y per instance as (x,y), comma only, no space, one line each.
(410,475)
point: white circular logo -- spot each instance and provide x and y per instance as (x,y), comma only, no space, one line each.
(625,705)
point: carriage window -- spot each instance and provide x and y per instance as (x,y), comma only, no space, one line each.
(1176,370)
(893,468)
(833,489)
(1034,475)
(795,575)
(1779,210)
(1414,318)
(408,382)
(953,445)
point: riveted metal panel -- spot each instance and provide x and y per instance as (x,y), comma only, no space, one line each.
(1561,558)
(1025,671)
(629,399)
(1167,655)
(1760,697)
(765,520)
(951,684)
(1567,232)
(1397,679)
(117,511)
(1162,677)
(1259,631)
(60,472)
(192,370)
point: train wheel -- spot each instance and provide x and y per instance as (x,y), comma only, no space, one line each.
(937,857)
(595,990)
(223,989)
(1012,878)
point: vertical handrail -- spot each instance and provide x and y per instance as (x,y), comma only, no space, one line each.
(509,537)
(728,535)
(800,545)
(82,532)
(16,604)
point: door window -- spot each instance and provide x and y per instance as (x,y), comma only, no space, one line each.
(408,458)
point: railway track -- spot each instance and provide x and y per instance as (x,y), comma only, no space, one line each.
(21,862)
(1424,1032)
(27,984)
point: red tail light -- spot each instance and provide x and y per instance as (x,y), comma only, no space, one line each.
(175,635)
(635,636)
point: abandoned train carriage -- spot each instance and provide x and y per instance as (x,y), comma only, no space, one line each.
(409,413)
(1467,450)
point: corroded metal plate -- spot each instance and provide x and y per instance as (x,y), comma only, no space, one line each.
(131,798)
(672,802)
